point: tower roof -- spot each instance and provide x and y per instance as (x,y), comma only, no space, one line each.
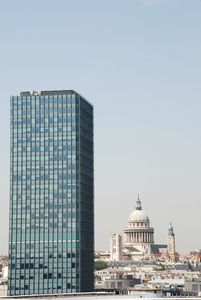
(138,205)
(170,230)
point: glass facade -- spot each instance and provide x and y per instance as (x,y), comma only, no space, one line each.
(51,229)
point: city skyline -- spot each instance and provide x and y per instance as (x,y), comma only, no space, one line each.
(139,63)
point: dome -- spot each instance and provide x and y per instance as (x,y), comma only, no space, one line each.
(138,215)
(138,233)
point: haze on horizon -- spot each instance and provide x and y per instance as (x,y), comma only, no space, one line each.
(139,63)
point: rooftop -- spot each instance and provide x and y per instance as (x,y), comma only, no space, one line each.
(47,93)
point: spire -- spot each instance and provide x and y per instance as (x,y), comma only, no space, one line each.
(138,205)
(170,230)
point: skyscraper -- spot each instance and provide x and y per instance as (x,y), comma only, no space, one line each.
(51,236)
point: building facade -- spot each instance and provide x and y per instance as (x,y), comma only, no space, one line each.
(116,247)
(138,238)
(51,223)
(139,235)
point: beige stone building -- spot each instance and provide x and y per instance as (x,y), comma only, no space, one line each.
(138,237)
(171,243)
(116,247)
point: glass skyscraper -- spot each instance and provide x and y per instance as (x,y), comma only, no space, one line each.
(51,230)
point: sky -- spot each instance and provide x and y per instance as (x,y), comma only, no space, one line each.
(139,63)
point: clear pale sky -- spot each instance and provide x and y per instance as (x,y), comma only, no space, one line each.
(139,63)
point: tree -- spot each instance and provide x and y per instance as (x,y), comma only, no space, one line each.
(100,265)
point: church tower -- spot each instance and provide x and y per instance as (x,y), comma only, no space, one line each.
(171,242)
(116,247)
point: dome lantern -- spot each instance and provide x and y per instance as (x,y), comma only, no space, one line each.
(138,215)
(138,205)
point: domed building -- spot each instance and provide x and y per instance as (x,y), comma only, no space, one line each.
(138,236)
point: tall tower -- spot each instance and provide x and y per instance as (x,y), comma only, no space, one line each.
(51,236)
(116,247)
(171,242)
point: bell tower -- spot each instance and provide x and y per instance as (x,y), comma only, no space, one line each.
(171,243)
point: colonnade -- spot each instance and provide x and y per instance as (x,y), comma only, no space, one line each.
(139,237)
